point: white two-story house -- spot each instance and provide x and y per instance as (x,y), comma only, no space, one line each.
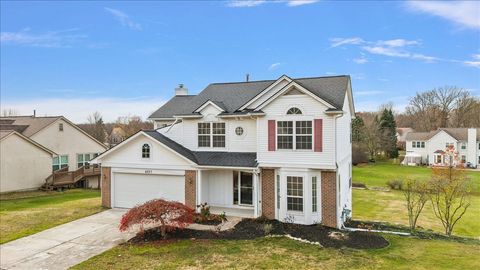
(428,148)
(278,148)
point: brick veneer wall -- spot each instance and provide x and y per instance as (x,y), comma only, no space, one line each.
(329,198)
(190,189)
(106,187)
(268,193)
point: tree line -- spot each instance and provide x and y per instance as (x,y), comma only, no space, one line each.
(115,132)
(374,133)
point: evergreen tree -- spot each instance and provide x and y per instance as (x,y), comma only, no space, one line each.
(388,133)
(358,129)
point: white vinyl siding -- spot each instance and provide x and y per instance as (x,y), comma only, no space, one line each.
(311,110)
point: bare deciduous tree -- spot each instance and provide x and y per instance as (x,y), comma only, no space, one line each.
(416,195)
(435,108)
(450,194)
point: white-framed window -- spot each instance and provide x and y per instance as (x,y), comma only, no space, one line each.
(298,138)
(314,194)
(414,144)
(294,110)
(295,193)
(418,145)
(242,188)
(438,159)
(447,145)
(423,144)
(146,150)
(464,159)
(84,159)
(211,135)
(463,146)
(59,162)
(60,126)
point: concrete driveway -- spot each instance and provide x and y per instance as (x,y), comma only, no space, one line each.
(66,245)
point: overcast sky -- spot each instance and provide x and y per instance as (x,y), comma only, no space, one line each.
(121,58)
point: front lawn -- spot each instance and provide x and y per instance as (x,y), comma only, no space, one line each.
(23,214)
(379,173)
(283,253)
(389,206)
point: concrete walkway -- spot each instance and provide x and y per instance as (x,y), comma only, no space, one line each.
(72,243)
(66,245)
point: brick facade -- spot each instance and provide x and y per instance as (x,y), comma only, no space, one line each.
(191,189)
(106,187)
(329,198)
(268,193)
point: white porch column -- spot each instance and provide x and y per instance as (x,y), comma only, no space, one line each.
(199,187)
(255,194)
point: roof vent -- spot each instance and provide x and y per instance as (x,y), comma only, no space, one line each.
(181,90)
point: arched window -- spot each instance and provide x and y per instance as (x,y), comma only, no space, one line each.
(146,151)
(294,110)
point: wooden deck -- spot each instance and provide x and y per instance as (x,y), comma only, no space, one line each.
(64,178)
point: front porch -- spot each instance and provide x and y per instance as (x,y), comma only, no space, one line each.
(235,192)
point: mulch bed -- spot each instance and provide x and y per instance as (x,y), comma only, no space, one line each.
(254,228)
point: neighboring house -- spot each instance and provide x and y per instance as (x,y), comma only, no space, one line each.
(24,163)
(74,148)
(402,136)
(117,136)
(428,148)
(278,148)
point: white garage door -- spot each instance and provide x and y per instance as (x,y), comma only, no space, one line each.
(132,189)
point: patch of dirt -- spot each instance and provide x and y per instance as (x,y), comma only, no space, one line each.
(255,228)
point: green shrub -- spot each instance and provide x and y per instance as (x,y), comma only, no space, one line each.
(395,184)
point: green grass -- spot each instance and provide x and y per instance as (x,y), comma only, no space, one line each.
(23,214)
(283,253)
(378,174)
(389,206)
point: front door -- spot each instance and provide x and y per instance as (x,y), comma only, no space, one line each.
(290,197)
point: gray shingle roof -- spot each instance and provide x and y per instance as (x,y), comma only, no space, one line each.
(461,134)
(29,125)
(230,159)
(232,96)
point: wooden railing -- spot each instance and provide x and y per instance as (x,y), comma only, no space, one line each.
(65,177)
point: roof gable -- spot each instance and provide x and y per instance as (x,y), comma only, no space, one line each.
(7,133)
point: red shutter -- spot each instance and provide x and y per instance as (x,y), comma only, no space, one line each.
(271,135)
(318,135)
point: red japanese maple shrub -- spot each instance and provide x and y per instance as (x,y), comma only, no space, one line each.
(168,215)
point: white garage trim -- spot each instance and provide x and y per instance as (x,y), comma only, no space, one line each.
(131,188)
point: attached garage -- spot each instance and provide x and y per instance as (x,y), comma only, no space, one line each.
(130,189)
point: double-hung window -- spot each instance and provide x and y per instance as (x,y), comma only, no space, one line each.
(211,135)
(60,162)
(294,135)
(414,144)
(295,193)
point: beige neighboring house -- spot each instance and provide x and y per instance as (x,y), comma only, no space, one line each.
(24,163)
(74,147)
